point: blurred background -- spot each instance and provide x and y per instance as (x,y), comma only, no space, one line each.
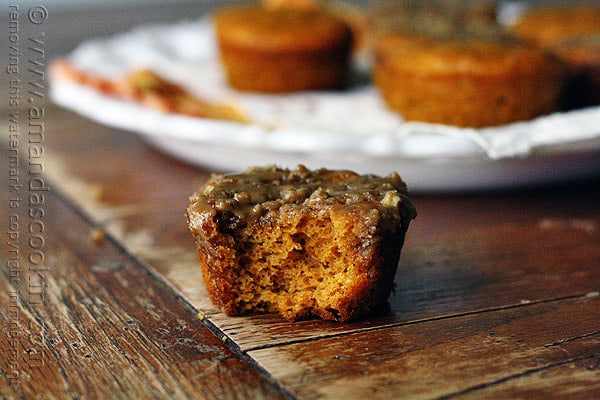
(69,22)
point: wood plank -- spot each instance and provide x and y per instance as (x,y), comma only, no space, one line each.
(458,258)
(90,322)
(450,356)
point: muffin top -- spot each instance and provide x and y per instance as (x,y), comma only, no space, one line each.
(258,189)
(281,29)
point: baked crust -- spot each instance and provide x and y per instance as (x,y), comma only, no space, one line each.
(300,243)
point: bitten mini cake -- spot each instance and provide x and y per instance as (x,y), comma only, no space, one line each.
(300,243)
(283,49)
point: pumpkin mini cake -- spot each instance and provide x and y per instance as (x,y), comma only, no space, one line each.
(283,49)
(300,243)
(450,62)
(467,81)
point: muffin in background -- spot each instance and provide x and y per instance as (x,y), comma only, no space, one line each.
(283,49)
(572,32)
(449,62)
(467,82)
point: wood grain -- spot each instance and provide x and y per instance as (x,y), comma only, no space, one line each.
(449,356)
(569,380)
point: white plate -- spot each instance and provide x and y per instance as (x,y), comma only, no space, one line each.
(350,129)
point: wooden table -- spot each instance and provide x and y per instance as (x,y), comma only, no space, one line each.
(497,294)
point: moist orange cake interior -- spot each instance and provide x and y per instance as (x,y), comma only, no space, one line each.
(295,264)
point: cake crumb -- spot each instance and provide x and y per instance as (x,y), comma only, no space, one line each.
(98,236)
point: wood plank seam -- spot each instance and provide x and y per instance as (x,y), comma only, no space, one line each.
(474,389)
(568,340)
(419,321)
